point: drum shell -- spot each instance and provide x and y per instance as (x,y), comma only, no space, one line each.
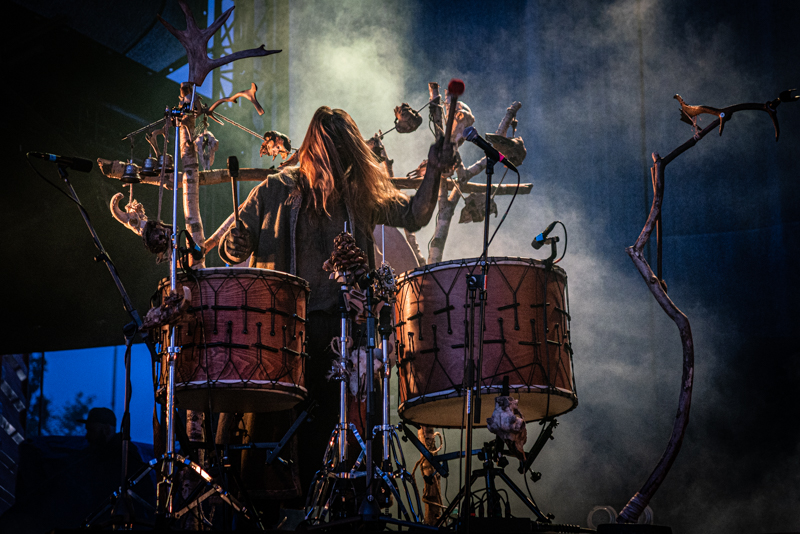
(242,345)
(433,327)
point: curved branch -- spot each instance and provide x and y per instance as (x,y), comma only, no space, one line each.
(639,501)
(689,114)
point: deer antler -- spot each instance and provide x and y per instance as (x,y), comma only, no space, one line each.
(195,41)
(689,113)
(250,95)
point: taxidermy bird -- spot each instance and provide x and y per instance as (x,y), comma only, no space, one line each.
(689,114)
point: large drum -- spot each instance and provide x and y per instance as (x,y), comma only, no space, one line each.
(242,348)
(526,339)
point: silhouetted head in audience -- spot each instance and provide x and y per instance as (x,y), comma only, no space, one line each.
(100,426)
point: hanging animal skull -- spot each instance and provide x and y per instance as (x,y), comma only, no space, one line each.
(133,217)
(513,149)
(206,145)
(461,121)
(156,237)
(474,206)
(171,311)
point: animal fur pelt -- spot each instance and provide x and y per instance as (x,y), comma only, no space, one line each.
(508,424)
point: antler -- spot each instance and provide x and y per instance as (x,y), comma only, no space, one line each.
(195,41)
(250,95)
(689,113)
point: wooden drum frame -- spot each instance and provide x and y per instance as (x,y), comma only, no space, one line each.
(242,348)
(526,338)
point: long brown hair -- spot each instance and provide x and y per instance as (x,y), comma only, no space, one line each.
(334,160)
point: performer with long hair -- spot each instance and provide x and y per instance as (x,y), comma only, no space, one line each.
(289,222)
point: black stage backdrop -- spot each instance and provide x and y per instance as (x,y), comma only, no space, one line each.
(596,80)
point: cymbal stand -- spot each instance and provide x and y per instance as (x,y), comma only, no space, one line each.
(324,490)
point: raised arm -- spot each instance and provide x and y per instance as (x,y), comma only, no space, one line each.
(416,212)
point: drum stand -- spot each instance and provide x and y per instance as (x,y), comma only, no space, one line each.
(165,488)
(334,470)
(389,439)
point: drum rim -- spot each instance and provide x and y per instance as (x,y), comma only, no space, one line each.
(493,260)
(208,272)
(225,383)
(487,390)
(513,388)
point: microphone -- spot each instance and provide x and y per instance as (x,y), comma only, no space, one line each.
(538,241)
(193,248)
(79,164)
(471,134)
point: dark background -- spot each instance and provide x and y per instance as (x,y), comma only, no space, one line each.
(596,80)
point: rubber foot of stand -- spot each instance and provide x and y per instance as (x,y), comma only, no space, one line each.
(632,528)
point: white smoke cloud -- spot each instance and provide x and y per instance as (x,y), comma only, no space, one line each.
(576,69)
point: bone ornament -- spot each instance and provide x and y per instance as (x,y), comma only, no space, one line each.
(508,424)
(133,217)
(462,120)
(171,310)
(156,237)
(354,369)
(474,206)
(513,149)
(206,145)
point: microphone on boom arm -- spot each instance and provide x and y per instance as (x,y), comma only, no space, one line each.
(471,134)
(78,164)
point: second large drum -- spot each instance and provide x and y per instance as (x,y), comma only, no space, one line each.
(526,338)
(242,348)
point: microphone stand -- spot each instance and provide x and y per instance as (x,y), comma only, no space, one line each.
(491,453)
(369,508)
(112,269)
(122,511)
(473,375)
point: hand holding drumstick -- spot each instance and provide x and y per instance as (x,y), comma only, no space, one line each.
(238,244)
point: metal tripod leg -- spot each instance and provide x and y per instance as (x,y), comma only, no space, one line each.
(332,472)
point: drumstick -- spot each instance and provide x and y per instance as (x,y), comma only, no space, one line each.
(455,89)
(233,170)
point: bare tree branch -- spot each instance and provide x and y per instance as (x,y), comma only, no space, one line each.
(657,287)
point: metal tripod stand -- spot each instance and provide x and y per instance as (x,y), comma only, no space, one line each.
(165,512)
(326,488)
(380,477)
